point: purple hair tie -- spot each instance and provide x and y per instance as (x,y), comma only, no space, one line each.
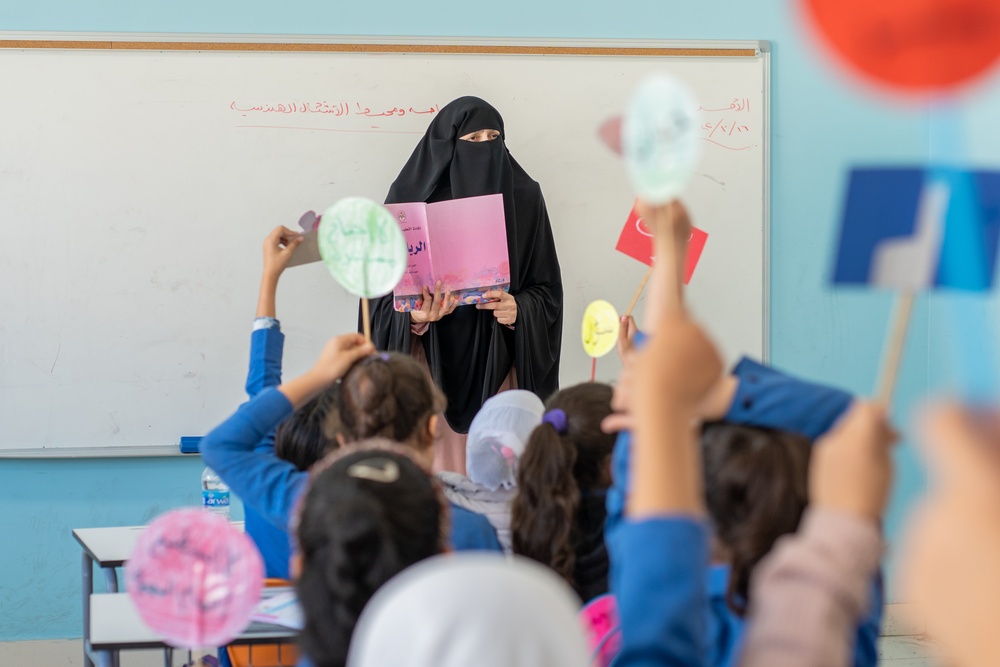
(557,418)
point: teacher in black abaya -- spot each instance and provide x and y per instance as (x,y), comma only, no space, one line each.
(513,341)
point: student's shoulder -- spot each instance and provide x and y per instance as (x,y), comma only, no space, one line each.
(470,530)
(466,517)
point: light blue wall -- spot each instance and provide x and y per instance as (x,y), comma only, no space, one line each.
(821,124)
(43,500)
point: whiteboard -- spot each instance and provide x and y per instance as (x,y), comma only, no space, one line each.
(136,187)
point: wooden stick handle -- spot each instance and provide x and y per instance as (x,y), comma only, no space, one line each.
(366,320)
(893,354)
(638,292)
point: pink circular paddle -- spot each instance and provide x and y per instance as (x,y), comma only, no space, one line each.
(194,578)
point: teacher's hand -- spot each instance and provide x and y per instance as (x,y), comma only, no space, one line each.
(434,306)
(504,306)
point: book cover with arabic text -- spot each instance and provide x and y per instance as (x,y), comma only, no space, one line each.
(461,242)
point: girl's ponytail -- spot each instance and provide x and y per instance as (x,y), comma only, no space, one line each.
(566,456)
(547,499)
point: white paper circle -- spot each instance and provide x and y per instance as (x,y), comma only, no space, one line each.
(659,138)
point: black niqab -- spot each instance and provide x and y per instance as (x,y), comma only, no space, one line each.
(469,353)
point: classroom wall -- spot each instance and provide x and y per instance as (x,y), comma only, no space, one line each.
(43,500)
(821,124)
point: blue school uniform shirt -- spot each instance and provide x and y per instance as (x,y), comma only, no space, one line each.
(266,348)
(659,597)
(764,398)
(270,487)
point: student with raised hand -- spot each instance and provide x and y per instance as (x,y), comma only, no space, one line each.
(809,593)
(751,393)
(952,547)
(302,438)
(386,395)
(753,403)
(559,512)
(311,431)
(660,549)
(664,603)
(497,438)
(371,510)
(269,485)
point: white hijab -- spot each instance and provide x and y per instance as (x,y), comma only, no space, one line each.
(464,609)
(498,436)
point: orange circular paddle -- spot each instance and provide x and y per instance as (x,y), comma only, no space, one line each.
(915,46)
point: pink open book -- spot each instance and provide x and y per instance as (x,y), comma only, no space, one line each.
(461,242)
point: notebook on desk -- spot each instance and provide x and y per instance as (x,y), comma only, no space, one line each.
(279,607)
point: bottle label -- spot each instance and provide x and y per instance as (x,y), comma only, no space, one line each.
(214,498)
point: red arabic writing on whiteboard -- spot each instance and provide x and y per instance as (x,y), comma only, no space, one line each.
(726,126)
(335,109)
(738,104)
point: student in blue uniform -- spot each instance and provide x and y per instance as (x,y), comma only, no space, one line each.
(753,396)
(801,411)
(304,437)
(387,395)
(813,584)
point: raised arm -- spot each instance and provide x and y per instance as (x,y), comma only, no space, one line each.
(950,557)
(267,341)
(266,483)
(278,248)
(671,227)
(662,547)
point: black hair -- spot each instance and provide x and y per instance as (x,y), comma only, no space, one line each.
(370,512)
(389,395)
(756,489)
(554,470)
(310,433)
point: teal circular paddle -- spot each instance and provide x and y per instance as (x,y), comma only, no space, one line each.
(362,247)
(659,139)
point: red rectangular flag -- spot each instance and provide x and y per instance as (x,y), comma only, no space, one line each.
(636,241)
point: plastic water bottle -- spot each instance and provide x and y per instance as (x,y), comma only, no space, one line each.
(214,494)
